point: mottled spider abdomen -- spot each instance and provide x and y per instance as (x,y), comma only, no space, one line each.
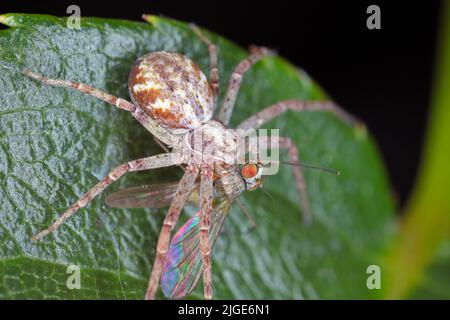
(172,89)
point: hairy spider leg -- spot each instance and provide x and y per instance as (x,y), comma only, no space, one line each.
(206,197)
(151,125)
(256,53)
(273,111)
(183,191)
(213,69)
(293,154)
(153,162)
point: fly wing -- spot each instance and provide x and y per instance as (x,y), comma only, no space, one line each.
(146,196)
(183,265)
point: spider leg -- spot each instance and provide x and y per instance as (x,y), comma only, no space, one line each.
(150,124)
(214,70)
(183,191)
(206,194)
(256,53)
(273,111)
(293,154)
(158,161)
(287,143)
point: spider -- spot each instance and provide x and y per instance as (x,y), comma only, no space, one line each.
(172,98)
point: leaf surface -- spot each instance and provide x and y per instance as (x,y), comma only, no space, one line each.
(55,144)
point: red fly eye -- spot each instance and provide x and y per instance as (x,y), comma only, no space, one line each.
(249,171)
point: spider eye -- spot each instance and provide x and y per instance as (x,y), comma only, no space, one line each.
(249,171)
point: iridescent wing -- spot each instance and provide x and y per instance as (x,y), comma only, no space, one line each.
(146,196)
(183,265)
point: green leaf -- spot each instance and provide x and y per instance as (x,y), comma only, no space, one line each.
(424,235)
(57,143)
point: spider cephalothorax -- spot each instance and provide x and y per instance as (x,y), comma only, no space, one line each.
(174,101)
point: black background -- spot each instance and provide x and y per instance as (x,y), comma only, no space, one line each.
(382,76)
(168,309)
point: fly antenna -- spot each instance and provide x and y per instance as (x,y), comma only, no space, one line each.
(307,166)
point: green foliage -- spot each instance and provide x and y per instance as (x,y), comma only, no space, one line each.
(424,235)
(56,143)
